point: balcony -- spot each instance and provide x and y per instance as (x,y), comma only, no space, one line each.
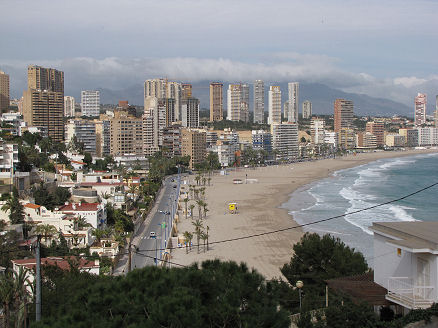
(401,290)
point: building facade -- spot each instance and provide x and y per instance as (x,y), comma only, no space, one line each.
(285,141)
(274,102)
(293,91)
(193,144)
(4,92)
(307,109)
(43,101)
(190,112)
(317,129)
(69,106)
(162,89)
(378,129)
(343,114)
(259,101)
(85,132)
(126,134)
(420,109)
(90,103)
(216,101)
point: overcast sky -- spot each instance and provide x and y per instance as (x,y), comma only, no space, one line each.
(380,48)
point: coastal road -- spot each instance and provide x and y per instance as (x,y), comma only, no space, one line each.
(159,226)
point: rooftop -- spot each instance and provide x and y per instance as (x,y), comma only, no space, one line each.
(62,263)
(412,235)
(79,207)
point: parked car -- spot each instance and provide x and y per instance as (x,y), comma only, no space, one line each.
(152,234)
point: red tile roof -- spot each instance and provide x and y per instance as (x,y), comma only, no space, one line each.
(85,184)
(30,205)
(78,162)
(60,262)
(82,207)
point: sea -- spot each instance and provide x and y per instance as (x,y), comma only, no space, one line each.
(364,186)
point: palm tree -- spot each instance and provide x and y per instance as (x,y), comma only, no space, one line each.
(21,295)
(187,238)
(16,210)
(205,210)
(203,237)
(46,230)
(198,179)
(199,203)
(191,207)
(208,228)
(196,192)
(198,229)
(80,222)
(6,296)
(209,180)
(186,200)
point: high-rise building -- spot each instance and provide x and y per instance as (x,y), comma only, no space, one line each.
(317,128)
(233,102)
(346,138)
(41,78)
(4,92)
(161,89)
(343,114)
(126,134)
(193,144)
(154,121)
(172,141)
(69,106)
(244,98)
(420,109)
(103,136)
(259,101)
(435,113)
(307,109)
(90,103)
(186,90)
(84,131)
(261,140)
(216,101)
(378,129)
(238,102)
(43,102)
(274,103)
(190,112)
(285,140)
(293,88)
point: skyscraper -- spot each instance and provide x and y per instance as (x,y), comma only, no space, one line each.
(233,102)
(4,92)
(378,130)
(69,106)
(307,109)
(90,103)
(186,90)
(274,105)
(435,113)
(293,101)
(216,101)
(343,115)
(245,94)
(259,101)
(190,112)
(161,89)
(43,102)
(420,109)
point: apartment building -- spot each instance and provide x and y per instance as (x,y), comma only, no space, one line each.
(285,141)
(126,134)
(193,144)
(216,101)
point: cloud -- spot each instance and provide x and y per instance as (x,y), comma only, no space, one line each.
(117,73)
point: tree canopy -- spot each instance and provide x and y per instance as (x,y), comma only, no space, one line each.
(216,294)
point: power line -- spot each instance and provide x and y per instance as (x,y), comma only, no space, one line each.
(309,223)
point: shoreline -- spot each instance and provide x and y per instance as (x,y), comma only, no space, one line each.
(260,211)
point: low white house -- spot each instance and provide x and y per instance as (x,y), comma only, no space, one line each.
(406,262)
(93,213)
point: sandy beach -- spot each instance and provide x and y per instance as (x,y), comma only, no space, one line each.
(258,211)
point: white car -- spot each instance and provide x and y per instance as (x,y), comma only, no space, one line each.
(152,234)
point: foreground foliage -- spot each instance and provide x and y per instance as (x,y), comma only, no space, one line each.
(215,295)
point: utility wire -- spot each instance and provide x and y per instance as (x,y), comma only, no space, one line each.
(305,224)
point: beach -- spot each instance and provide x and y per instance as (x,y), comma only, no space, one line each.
(259,197)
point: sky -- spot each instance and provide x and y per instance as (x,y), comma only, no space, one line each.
(385,48)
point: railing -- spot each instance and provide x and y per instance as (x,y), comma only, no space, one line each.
(402,290)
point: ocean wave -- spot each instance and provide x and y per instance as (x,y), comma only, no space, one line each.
(352,195)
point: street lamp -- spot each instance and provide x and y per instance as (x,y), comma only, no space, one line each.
(299,284)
